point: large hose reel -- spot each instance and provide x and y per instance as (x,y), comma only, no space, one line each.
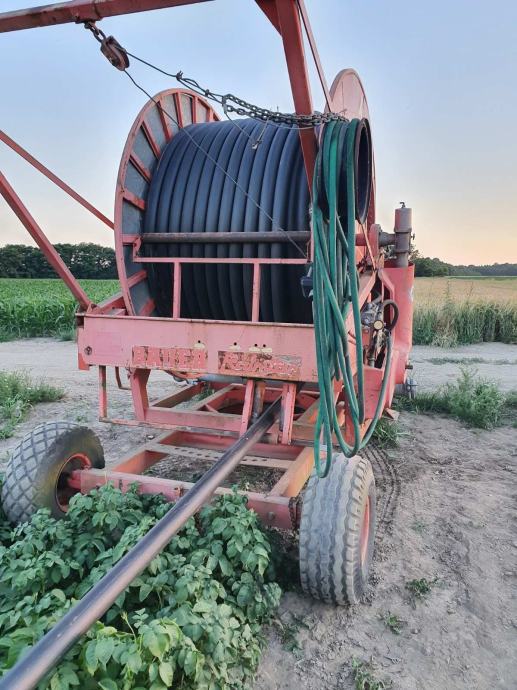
(231,177)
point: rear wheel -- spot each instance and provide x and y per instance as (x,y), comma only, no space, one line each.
(337,532)
(39,470)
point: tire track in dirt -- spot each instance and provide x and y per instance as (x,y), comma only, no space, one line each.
(388,489)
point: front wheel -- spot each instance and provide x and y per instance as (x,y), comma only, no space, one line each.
(337,531)
(38,472)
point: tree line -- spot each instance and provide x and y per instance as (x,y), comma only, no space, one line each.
(85,260)
(433,267)
(88,260)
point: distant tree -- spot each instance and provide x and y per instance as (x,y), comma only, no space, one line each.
(425,266)
(85,260)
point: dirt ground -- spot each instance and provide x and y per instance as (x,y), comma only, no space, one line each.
(447,512)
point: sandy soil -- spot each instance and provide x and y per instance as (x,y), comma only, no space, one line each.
(447,507)
(435,366)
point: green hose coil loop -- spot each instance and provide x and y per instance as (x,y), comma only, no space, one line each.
(335,293)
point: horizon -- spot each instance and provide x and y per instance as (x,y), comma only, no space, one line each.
(440,134)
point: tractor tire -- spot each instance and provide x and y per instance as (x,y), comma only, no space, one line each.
(37,472)
(337,531)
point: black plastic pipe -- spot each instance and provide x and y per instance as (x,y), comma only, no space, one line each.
(299,236)
(46,653)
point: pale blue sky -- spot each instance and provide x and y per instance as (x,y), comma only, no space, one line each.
(440,77)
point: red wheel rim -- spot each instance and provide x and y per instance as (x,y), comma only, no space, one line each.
(365,531)
(64,485)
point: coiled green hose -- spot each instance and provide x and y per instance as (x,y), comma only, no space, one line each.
(335,292)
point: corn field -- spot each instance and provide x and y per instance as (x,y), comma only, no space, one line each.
(33,308)
(460,323)
(446,313)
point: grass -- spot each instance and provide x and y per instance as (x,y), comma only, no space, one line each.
(475,401)
(469,360)
(451,323)
(387,433)
(364,676)
(18,393)
(463,289)
(461,311)
(35,308)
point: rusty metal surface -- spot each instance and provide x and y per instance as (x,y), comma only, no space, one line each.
(182,359)
(261,365)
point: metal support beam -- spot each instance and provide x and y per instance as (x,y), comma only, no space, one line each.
(43,243)
(46,653)
(79,11)
(292,38)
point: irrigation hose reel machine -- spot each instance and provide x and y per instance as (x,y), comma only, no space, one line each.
(253,271)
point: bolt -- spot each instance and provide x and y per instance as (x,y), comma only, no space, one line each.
(88,350)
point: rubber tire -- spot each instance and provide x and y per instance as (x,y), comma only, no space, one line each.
(35,466)
(330,531)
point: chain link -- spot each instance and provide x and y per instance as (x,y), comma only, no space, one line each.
(230,103)
(233,104)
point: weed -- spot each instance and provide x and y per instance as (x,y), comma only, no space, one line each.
(364,677)
(289,634)
(457,360)
(473,400)
(511,399)
(420,588)
(387,433)
(393,622)
(419,526)
(17,395)
(467,361)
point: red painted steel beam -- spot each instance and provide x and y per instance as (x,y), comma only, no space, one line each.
(292,38)
(270,10)
(54,178)
(43,243)
(80,11)
(315,54)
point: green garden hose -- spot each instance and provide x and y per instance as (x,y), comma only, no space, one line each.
(335,292)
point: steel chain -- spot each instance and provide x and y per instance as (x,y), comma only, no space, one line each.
(229,102)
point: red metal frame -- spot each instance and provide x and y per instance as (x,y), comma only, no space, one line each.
(248,364)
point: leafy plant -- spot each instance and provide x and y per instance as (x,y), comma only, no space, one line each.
(393,622)
(365,678)
(473,400)
(191,620)
(17,394)
(420,588)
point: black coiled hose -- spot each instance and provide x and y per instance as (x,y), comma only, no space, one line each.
(193,190)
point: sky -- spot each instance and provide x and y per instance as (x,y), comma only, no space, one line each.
(440,78)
